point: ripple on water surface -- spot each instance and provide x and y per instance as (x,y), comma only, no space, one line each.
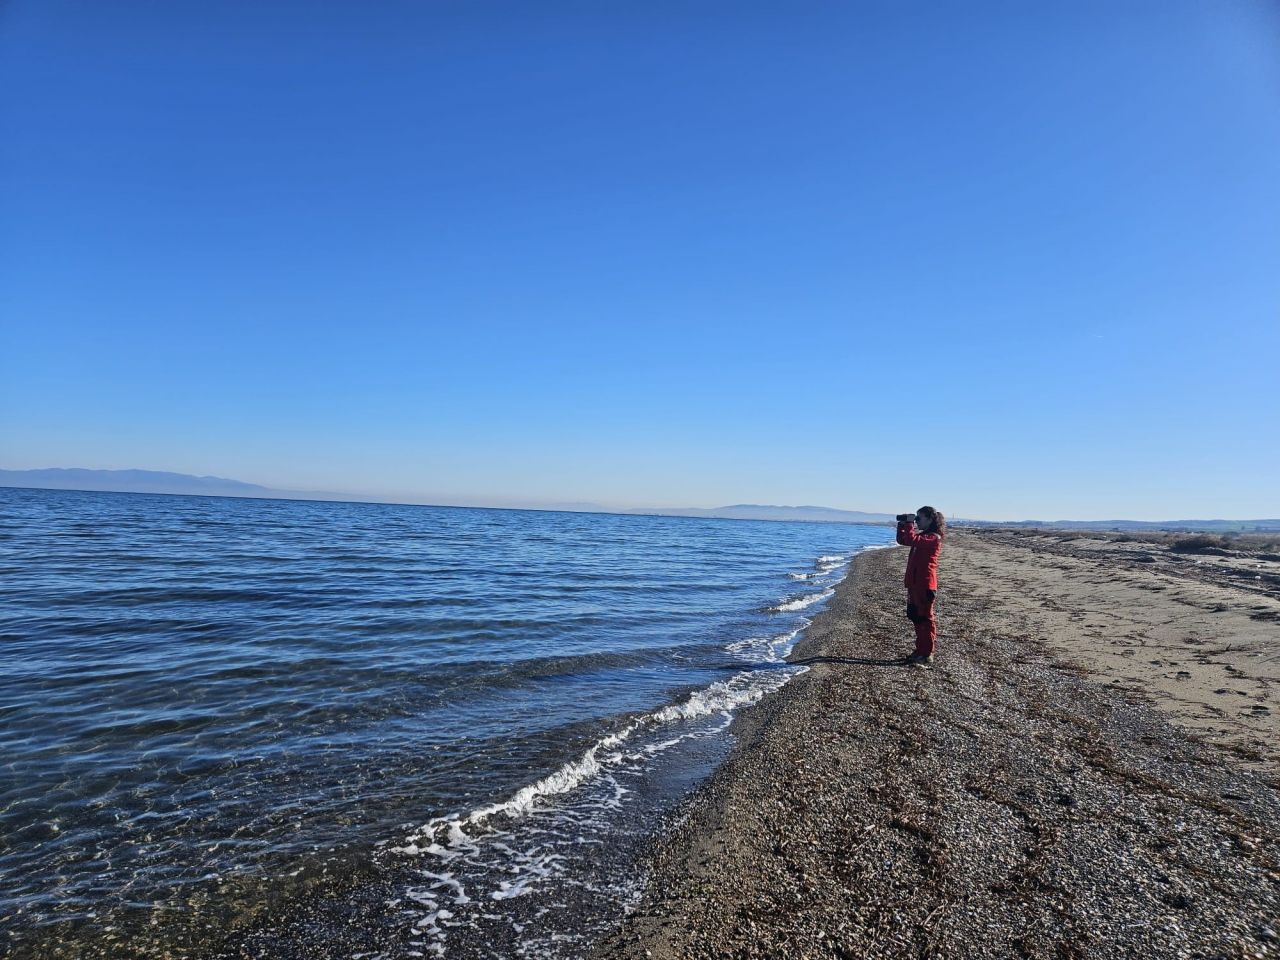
(223,714)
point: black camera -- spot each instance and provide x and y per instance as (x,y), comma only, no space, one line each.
(906,518)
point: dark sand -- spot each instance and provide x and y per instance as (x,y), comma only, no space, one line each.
(1090,770)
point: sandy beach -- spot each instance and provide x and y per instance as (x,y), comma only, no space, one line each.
(1089,770)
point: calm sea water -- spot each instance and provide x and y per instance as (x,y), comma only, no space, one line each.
(287,728)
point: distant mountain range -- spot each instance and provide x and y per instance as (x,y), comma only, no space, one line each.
(151,481)
(128,481)
(155,481)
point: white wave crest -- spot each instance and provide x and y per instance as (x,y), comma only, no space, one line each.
(768,649)
(802,601)
(448,837)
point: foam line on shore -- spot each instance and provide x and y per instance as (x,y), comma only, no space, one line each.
(506,862)
(801,601)
(444,836)
(447,836)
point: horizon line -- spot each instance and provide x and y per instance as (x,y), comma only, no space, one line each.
(599,510)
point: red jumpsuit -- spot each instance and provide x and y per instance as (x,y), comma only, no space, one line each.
(922,583)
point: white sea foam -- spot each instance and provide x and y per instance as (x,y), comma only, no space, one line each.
(447,880)
(724,696)
(768,649)
(826,565)
(533,857)
(802,601)
(822,566)
(448,837)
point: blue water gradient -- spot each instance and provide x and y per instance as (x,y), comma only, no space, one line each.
(201,692)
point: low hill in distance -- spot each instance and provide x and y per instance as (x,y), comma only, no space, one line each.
(158,481)
(132,481)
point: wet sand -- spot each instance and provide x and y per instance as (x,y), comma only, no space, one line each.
(1089,770)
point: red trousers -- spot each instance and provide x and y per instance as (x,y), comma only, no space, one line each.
(920,613)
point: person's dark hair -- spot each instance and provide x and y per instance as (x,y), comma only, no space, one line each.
(937,522)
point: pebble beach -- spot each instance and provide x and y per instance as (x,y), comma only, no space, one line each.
(1088,770)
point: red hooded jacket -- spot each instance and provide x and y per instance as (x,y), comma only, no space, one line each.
(922,564)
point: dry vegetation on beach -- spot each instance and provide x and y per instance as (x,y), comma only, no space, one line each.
(1249,550)
(1091,770)
(1245,544)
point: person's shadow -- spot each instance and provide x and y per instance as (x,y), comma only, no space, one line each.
(854,661)
(809,661)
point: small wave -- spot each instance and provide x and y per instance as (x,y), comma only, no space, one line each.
(768,649)
(802,601)
(447,837)
(506,864)
(827,564)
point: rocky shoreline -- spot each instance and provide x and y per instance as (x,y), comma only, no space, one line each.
(1010,802)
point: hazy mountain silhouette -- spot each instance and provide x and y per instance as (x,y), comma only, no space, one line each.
(159,481)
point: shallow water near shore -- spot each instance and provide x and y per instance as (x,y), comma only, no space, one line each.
(444,730)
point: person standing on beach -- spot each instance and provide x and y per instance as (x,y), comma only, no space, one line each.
(922,532)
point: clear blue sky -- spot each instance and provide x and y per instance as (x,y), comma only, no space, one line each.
(1013,260)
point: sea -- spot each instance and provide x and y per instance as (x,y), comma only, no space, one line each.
(277,728)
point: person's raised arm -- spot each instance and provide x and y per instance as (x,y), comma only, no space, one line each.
(907,535)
